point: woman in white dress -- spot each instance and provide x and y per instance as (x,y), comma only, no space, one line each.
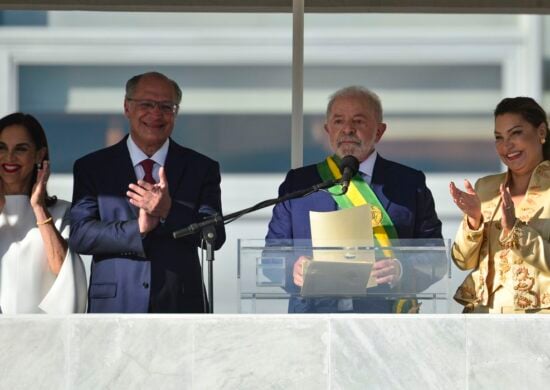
(38,272)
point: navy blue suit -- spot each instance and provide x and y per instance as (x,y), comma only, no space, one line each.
(131,274)
(402,192)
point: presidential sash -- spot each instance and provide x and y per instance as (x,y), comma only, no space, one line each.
(360,193)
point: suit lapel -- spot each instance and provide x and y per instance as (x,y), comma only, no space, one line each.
(325,202)
(380,178)
(175,165)
(124,170)
(322,200)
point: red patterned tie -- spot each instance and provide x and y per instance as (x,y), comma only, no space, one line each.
(148,168)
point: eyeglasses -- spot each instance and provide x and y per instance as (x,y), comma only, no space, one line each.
(149,105)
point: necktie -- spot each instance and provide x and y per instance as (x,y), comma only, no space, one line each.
(148,168)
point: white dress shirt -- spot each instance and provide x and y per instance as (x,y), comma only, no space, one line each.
(137,156)
(367,167)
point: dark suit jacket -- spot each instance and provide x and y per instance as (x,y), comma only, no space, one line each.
(402,192)
(131,274)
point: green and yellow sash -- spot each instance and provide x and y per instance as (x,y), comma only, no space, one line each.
(360,193)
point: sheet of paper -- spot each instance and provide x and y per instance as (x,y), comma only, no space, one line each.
(335,279)
(348,228)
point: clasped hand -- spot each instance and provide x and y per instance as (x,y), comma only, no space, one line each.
(385,271)
(153,200)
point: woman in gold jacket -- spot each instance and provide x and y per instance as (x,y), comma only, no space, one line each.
(504,236)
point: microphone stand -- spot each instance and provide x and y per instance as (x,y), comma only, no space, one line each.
(208,234)
(208,230)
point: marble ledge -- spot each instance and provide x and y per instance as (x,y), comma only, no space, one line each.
(321,351)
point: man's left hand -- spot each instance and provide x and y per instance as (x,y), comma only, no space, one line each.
(387,271)
(153,198)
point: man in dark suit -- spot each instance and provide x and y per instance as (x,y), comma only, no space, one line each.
(354,126)
(130,197)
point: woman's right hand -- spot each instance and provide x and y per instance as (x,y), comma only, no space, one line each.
(38,193)
(468,202)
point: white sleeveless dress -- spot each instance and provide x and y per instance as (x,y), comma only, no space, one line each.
(26,283)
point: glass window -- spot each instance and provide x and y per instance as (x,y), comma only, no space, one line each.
(23,18)
(438,108)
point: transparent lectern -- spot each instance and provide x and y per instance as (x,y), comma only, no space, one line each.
(342,275)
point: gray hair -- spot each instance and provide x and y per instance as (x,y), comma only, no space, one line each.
(131,84)
(366,94)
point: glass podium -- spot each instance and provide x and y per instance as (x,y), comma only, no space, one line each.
(342,276)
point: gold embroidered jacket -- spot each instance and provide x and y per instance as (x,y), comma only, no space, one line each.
(513,271)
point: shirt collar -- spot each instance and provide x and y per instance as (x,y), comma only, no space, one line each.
(137,155)
(367,166)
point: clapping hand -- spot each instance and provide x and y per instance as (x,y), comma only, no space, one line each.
(147,222)
(153,200)
(468,202)
(507,209)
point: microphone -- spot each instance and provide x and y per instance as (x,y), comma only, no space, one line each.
(208,216)
(349,167)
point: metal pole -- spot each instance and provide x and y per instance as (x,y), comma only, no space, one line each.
(297,136)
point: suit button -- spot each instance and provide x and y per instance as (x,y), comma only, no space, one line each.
(145,285)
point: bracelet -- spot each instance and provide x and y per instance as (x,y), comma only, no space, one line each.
(44,222)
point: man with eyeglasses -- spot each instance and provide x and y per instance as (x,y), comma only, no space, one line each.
(130,197)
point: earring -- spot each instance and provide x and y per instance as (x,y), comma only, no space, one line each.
(38,165)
